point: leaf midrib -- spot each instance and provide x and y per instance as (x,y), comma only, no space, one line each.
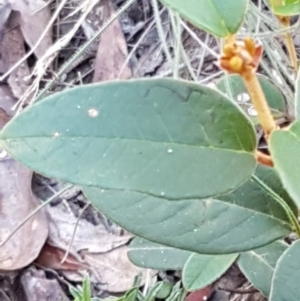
(221,19)
(241,151)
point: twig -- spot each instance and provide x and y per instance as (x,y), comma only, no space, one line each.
(239,290)
(161,32)
(82,50)
(15,66)
(74,231)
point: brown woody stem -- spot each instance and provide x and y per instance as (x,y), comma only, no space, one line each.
(259,101)
(264,159)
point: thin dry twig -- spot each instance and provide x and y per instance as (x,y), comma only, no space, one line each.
(74,232)
(37,43)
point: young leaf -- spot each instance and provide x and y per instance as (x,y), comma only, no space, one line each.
(177,293)
(86,289)
(258,265)
(76,294)
(206,226)
(220,18)
(233,85)
(131,295)
(167,138)
(165,290)
(285,149)
(286,7)
(201,270)
(153,291)
(285,282)
(150,255)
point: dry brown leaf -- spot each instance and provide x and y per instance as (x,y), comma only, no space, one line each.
(113,270)
(112,50)
(16,202)
(51,258)
(104,253)
(34,17)
(12,51)
(232,279)
(87,236)
(38,288)
(7,100)
(4,118)
(150,61)
(201,295)
(5,10)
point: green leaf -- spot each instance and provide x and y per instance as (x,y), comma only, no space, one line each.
(285,150)
(285,282)
(166,138)
(234,87)
(220,18)
(252,196)
(202,270)
(131,295)
(165,290)
(258,265)
(177,293)
(153,291)
(206,226)
(285,7)
(297,97)
(76,294)
(150,255)
(86,289)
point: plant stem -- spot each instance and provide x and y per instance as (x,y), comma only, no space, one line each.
(281,202)
(259,101)
(264,159)
(285,22)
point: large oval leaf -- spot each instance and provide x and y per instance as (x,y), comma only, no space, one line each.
(205,226)
(202,270)
(285,283)
(258,265)
(161,137)
(252,196)
(285,7)
(220,18)
(285,149)
(150,255)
